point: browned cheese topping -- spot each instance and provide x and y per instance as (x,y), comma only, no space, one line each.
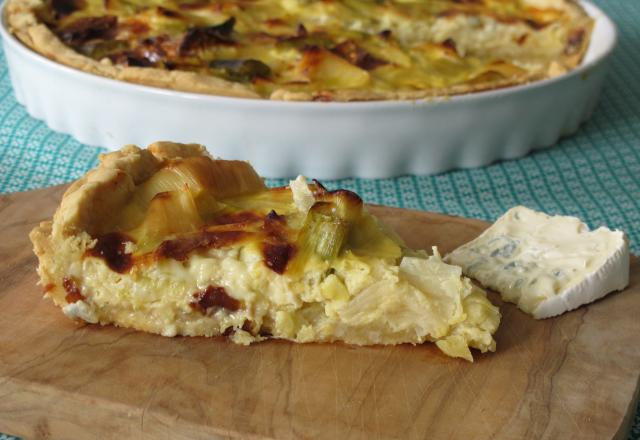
(196,205)
(214,297)
(323,47)
(72,289)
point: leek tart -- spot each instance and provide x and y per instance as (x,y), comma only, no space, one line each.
(327,50)
(170,241)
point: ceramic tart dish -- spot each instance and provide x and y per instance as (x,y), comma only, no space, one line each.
(503,108)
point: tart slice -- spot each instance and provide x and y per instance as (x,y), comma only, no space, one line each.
(170,241)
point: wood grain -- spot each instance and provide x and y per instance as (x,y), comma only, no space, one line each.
(575,376)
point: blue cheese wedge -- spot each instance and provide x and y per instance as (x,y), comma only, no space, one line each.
(547,265)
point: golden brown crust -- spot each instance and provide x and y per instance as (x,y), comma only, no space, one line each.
(92,198)
(89,203)
(363,95)
(24,24)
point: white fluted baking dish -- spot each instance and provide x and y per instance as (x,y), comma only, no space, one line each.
(319,139)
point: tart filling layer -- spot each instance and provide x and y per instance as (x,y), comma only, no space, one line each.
(310,50)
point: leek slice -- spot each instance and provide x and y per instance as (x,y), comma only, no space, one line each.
(279,200)
(369,238)
(169,213)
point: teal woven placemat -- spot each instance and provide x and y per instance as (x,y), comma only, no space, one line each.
(594,175)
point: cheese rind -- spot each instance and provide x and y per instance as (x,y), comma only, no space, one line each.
(547,265)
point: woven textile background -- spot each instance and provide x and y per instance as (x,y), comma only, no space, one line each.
(594,175)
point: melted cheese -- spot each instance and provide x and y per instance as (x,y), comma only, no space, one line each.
(546,265)
(363,301)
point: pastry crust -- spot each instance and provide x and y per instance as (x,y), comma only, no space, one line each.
(25,25)
(90,201)
(93,198)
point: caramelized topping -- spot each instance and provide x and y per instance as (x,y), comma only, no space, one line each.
(237,217)
(357,55)
(320,65)
(450,44)
(180,210)
(200,38)
(89,28)
(180,248)
(276,250)
(385,34)
(319,188)
(344,204)
(314,47)
(522,39)
(72,289)
(137,27)
(533,24)
(168,12)
(575,41)
(132,59)
(247,326)
(149,53)
(214,297)
(112,248)
(63,8)
(277,256)
(275,226)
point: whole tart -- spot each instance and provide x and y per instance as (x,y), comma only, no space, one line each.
(171,241)
(325,50)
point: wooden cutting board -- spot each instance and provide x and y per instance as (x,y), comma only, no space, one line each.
(575,376)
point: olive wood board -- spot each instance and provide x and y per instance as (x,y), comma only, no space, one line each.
(574,376)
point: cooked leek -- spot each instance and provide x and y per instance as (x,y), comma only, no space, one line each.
(169,213)
(231,178)
(369,238)
(279,200)
(219,178)
(344,204)
(163,181)
(324,231)
(328,235)
(190,173)
(320,65)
